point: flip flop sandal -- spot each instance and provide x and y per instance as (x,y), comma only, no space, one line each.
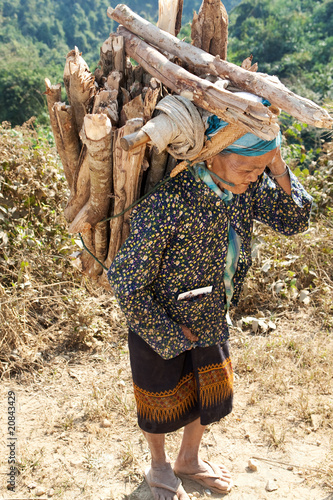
(201,478)
(154,484)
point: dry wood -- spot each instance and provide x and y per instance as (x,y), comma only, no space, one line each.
(158,163)
(106,57)
(75,57)
(132,141)
(62,124)
(247,64)
(118,53)
(279,95)
(151,99)
(53,95)
(85,262)
(135,89)
(209,30)
(138,74)
(221,140)
(81,89)
(253,115)
(96,135)
(134,108)
(81,187)
(103,281)
(126,175)
(106,102)
(69,148)
(114,81)
(170,15)
(101,244)
(128,73)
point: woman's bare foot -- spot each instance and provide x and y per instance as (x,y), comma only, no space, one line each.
(215,477)
(163,483)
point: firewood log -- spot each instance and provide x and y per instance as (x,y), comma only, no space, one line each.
(106,57)
(75,57)
(134,108)
(209,30)
(158,163)
(101,240)
(279,95)
(81,187)
(81,89)
(69,148)
(96,135)
(170,15)
(106,102)
(53,95)
(85,262)
(126,174)
(228,106)
(64,130)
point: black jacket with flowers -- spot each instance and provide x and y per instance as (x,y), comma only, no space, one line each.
(178,242)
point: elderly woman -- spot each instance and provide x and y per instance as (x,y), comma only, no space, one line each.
(175,277)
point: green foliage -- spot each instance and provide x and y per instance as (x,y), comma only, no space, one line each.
(289,38)
(36,35)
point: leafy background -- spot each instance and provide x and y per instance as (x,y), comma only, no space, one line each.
(290,38)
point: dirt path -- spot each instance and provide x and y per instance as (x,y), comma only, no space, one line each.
(66,450)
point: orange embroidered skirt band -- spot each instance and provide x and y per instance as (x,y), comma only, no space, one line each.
(174,392)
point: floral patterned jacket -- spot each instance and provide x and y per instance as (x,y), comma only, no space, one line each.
(178,242)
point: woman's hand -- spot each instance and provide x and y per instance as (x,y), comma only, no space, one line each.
(278,167)
(188,334)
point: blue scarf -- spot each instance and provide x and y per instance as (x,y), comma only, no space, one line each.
(234,240)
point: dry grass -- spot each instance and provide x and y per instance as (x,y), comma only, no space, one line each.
(57,327)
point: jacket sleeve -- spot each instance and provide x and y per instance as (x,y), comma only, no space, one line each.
(132,273)
(287,214)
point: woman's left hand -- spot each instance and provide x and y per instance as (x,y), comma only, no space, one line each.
(188,334)
(279,171)
(277,166)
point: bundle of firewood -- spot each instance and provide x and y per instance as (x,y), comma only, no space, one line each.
(105,135)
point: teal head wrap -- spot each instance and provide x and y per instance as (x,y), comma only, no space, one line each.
(249,144)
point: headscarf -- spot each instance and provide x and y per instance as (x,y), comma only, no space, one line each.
(249,144)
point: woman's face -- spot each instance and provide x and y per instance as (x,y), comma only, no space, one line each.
(241,170)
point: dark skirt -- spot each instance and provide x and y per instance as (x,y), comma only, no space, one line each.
(174,392)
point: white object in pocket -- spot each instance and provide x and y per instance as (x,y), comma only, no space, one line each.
(194,293)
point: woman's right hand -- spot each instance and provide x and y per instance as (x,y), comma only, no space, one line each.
(188,334)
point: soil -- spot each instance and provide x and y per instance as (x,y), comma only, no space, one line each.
(77,437)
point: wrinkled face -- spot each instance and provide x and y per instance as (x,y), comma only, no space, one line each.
(241,170)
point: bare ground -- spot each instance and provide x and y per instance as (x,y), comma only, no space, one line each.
(68,450)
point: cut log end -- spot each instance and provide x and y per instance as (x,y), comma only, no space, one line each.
(132,141)
(97,126)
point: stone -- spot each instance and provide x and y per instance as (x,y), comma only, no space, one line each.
(271,485)
(32,486)
(253,465)
(255,325)
(316,421)
(76,461)
(40,491)
(304,294)
(50,492)
(106,423)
